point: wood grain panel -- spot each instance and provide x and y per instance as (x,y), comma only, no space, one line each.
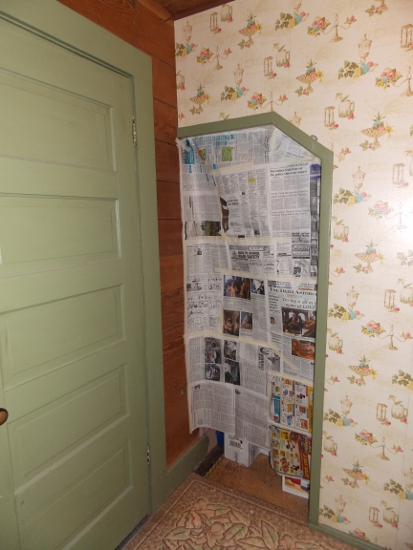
(175,370)
(161,12)
(169,202)
(184,8)
(172,308)
(155,36)
(167,161)
(173,344)
(172,273)
(166,121)
(180,439)
(163,77)
(170,237)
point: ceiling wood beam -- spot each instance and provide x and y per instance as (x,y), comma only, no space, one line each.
(197,9)
(161,12)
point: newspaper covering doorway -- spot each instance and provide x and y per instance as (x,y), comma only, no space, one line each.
(250,210)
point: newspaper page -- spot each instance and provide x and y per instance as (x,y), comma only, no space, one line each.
(220,150)
(244,203)
(242,369)
(291,403)
(251,423)
(212,406)
(278,200)
(204,283)
(244,308)
(228,361)
(283,148)
(292,310)
(291,453)
(254,258)
(294,203)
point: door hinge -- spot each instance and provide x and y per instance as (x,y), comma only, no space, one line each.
(134,135)
(148,455)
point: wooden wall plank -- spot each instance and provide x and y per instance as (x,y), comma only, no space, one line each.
(163,75)
(154,35)
(166,121)
(173,345)
(167,161)
(172,308)
(169,201)
(172,273)
(161,12)
(170,237)
(179,8)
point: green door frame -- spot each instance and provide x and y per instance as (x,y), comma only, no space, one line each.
(327,161)
(59,24)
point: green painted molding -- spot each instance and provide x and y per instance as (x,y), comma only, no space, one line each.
(327,160)
(263,119)
(184,466)
(344,537)
(61,25)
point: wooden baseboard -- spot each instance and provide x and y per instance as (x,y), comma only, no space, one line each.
(180,470)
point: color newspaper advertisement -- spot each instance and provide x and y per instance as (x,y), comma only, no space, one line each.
(290,453)
(291,403)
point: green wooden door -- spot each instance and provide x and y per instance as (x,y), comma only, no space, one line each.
(73,469)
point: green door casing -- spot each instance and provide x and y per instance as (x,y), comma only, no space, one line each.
(72,374)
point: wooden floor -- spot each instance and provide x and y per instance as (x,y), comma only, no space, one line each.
(259,480)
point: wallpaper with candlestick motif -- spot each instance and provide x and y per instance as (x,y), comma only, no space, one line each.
(340,70)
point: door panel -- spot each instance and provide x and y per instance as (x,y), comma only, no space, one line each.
(71,335)
(40,438)
(41,338)
(72,231)
(68,476)
(59,126)
(79,505)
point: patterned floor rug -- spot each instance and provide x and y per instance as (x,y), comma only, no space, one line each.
(202,515)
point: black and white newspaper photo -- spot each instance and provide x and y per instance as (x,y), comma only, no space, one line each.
(292,310)
(228,361)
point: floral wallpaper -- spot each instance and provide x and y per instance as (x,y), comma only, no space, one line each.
(341,70)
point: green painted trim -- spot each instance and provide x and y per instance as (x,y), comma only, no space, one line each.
(184,466)
(327,160)
(321,334)
(344,537)
(263,119)
(85,36)
(61,25)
